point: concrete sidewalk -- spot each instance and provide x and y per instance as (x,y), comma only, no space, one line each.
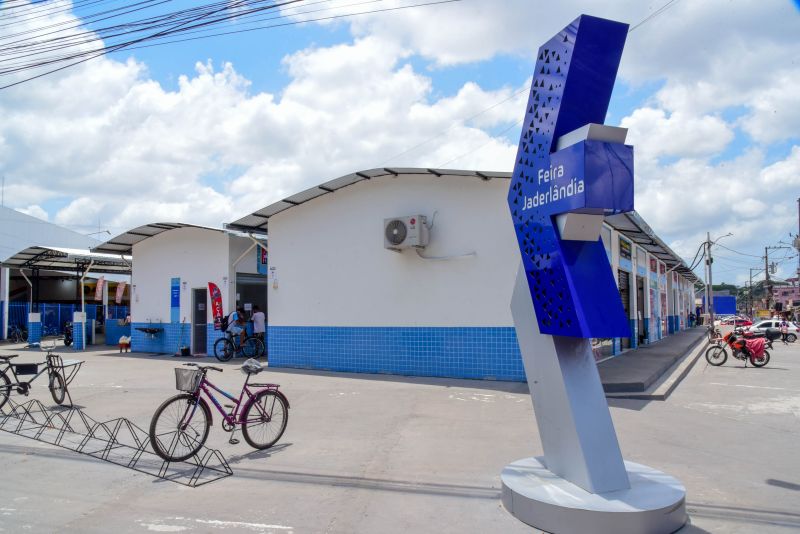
(636,370)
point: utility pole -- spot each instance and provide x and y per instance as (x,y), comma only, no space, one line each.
(709,282)
(751,289)
(766,274)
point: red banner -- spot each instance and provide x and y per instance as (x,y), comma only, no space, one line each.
(98,291)
(216,304)
(120,292)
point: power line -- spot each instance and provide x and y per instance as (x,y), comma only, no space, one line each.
(491,138)
(45,46)
(740,253)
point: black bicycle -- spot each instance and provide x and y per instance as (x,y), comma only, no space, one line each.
(17,334)
(230,345)
(60,374)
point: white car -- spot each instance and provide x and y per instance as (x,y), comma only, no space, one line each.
(761,326)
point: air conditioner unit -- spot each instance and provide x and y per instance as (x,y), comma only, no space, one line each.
(405,232)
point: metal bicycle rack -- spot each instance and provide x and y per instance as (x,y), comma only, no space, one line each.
(117,441)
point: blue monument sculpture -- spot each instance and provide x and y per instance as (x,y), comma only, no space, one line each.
(571,171)
(571,283)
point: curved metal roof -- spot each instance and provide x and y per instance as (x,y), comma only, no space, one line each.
(256,222)
(123,243)
(68,259)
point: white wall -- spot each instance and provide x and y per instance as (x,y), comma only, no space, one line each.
(238,246)
(333,270)
(197,256)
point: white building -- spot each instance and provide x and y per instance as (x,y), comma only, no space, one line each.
(173,264)
(339,300)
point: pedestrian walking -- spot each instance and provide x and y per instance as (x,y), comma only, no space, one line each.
(784,326)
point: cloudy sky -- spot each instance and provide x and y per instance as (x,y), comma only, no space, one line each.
(207,131)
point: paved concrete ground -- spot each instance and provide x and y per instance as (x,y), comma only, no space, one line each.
(636,370)
(366,453)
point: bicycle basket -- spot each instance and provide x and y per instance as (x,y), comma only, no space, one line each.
(187,379)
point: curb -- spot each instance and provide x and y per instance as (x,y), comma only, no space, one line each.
(662,388)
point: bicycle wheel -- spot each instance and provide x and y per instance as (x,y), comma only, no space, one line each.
(58,388)
(5,388)
(265,420)
(253,347)
(23,335)
(174,440)
(762,361)
(223,349)
(716,355)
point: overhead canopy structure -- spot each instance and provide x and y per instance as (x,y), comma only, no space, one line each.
(123,243)
(256,222)
(68,259)
(21,231)
(633,226)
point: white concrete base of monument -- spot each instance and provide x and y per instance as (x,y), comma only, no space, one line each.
(655,502)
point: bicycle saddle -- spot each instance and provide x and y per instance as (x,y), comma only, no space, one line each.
(6,358)
(251,367)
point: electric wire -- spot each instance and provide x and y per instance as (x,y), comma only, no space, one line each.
(65,44)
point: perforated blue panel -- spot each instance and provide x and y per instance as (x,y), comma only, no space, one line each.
(571,283)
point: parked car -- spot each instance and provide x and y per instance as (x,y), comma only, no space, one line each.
(762,326)
(735,320)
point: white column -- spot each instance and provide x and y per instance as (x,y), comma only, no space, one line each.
(4,282)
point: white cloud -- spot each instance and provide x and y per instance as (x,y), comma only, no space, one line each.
(655,133)
(35,211)
(125,150)
(113,145)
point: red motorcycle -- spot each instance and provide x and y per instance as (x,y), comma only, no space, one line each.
(752,350)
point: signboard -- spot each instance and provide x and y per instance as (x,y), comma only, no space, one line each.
(625,250)
(216,304)
(571,283)
(120,292)
(98,290)
(175,300)
(261,259)
(625,254)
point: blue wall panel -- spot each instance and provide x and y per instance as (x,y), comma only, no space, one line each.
(459,352)
(114,331)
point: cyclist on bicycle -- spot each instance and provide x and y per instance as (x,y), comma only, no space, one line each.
(236,325)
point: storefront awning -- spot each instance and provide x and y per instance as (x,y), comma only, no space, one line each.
(634,228)
(68,259)
(123,243)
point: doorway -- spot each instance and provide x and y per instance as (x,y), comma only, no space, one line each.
(625,294)
(642,331)
(199,320)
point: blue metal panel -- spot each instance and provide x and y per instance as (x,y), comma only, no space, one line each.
(571,283)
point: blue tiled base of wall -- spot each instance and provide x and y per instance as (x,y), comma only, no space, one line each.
(34,332)
(115,331)
(167,341)
(78,336)
(211,337)
(647,338)
(634,334)
(2,306)
(459,352)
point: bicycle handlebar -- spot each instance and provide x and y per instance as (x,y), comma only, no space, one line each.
(203,367)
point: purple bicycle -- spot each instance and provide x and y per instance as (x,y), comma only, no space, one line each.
(180,426)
